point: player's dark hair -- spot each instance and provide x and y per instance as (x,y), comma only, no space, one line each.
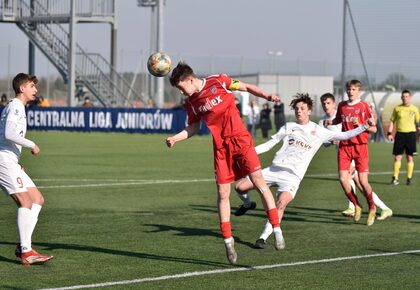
(356,83)
(180,73)
(327,96)
(304,98)
(405,92)
(21,79)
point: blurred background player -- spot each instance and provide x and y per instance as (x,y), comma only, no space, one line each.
(252,113)
(405,117)
(301,140)
(265,121)
(351,114)
(13,179)
(210,99)
(329,107)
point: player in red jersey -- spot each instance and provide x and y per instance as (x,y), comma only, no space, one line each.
(351,114)
(210,99)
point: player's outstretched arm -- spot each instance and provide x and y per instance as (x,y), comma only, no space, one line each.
(257,91)
(189,131)
(349,134)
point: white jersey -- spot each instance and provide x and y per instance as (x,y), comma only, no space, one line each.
(300,143)
(13,130)
(330,127)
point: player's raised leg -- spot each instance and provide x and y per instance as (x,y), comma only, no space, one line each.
(269,205)
(242,188)
(223,205)
(284,198)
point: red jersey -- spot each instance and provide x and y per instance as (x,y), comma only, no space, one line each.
(215,105)
(346,113)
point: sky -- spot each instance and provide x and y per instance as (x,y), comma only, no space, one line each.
(303,31)
(299,29)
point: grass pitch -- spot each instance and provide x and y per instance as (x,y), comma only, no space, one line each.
(123,207)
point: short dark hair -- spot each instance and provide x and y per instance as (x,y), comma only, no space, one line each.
(299,97)
(405,92)
(180,73)
(356,83)
(22,78)
(326,96)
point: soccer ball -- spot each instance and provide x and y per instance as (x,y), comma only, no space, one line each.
(159,64)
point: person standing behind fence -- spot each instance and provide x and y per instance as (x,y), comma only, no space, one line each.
(279,118)
(405,117)
(265,121)
(252,117)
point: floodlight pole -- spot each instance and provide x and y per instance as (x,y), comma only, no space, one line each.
(343,55)
(160,81)
(157,21)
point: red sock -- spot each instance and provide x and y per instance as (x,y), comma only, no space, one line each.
(273,217)
(369,198)
(353,198)
(226,230)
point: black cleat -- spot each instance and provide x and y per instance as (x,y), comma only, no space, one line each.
(18,251)
(395,181)
(408,181)
(260,244)
(243,209)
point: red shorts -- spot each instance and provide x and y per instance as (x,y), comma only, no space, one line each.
(236,159)
(357,152)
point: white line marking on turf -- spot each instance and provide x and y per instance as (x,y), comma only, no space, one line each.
(119,182)
(221,271)
(140,182)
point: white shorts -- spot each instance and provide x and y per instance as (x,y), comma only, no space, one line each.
(281,178)
(13,179)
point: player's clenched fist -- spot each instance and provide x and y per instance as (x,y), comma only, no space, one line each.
(170,141)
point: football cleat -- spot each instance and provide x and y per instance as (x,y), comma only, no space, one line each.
(230,252)
(18,251)
(243,209)
(395,181)
(357,213)
(33,257)
(348,212)
(260,244)
(385,213)
(371,217)
(279,242)
(408,181)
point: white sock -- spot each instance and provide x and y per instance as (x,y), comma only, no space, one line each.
(36,208)
(268,230)
(246,198)
(228,240)
(353,186)
(379,203)
(24,224)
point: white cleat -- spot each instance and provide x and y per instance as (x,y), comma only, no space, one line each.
(279,242)
(230,252)
(385,213)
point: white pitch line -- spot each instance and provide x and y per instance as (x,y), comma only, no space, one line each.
(141,182)
(119,182)
(221,271)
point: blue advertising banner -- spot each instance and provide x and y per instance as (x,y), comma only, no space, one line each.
(108,120)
